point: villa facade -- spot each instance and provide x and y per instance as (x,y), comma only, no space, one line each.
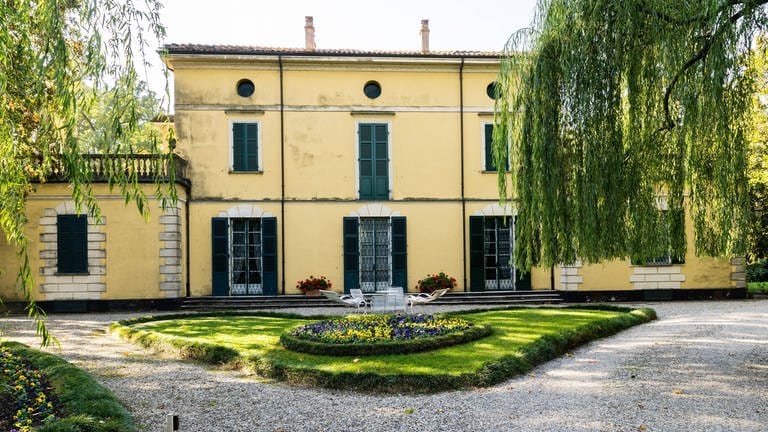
(371,168)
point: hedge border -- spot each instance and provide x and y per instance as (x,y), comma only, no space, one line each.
(518,362)
(293,343)
(86,404)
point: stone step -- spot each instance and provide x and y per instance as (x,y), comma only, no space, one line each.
(495,298)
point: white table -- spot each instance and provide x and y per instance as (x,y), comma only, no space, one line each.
(389,300)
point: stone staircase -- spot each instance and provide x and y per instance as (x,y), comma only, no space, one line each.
(491,299)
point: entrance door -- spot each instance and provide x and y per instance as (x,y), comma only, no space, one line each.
(499,274)
(491,250)
(375,254)
(244,252)
(246,257)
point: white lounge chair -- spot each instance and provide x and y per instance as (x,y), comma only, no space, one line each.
(424,298)
(346,299)
(357,293)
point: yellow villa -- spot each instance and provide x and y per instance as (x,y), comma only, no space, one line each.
(371,168)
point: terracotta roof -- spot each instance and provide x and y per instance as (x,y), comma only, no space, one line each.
(256,50)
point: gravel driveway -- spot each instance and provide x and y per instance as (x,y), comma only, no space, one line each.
(703,366)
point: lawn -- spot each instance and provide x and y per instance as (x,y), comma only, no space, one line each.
(522,338)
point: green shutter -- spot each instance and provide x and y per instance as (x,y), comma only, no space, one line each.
(269,255)
(245,147)
(476,253)
(220,256)
(351,243)
(489,165)
(238,146)
(373,161)
(523,278)
(366,161)
(72,243)
(381,163)
(399,253)
(252,147)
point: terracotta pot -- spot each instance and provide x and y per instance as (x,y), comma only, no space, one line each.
(312,293)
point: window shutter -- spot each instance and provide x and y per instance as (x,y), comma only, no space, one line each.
(366,161)
(252,147)
(522,279)
(269,255)
(489,165)
(399,253)
(220,254)
(72,243)
(351,240)
(381,163)
(476,253)
(239,134)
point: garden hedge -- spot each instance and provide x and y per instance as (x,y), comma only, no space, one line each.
(294,343)
(520,361)
(87,405)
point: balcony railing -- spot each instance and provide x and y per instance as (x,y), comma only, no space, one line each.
(142,167)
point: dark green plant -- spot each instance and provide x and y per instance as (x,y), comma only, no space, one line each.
(87,406)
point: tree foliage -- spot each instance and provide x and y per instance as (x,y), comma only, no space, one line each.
(58,58)
(758,156)
(624,117)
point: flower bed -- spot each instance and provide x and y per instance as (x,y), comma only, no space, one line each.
(381,334)
(25,395)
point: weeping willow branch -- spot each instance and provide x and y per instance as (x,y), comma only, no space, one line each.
(584,96)
(55,57)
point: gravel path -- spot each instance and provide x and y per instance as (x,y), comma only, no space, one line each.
(701,366)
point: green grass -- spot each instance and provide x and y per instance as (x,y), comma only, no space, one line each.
(757,287)
(521,338)
(86,404)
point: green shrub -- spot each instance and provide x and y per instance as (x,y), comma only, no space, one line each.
(758,271)
(87,406)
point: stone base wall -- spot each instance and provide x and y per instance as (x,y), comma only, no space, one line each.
(570,279)
(657,277)
(170,253)
(72,287)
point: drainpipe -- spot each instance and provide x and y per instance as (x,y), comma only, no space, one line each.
(282,177)
(186,234)
(463,201)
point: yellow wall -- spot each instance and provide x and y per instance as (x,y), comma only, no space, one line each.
(132,262)
(316,128)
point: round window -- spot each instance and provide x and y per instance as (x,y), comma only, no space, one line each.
(492,89)
(245,87)
(372,89)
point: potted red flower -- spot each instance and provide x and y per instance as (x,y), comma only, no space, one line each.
(311,286)
(435,282)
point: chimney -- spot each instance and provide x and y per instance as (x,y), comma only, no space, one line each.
(425,35)
(309,33)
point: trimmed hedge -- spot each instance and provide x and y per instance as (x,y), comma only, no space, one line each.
(516,362)
(86,404)
(294,343)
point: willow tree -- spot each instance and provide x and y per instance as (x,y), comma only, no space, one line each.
(56,59)
(624,116)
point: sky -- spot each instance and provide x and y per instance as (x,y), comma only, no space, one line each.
(482,25)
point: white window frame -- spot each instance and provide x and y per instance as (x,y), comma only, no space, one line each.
(482,148)
(231,144)
(390,179)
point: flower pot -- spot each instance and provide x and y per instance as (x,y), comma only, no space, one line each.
(312,293)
